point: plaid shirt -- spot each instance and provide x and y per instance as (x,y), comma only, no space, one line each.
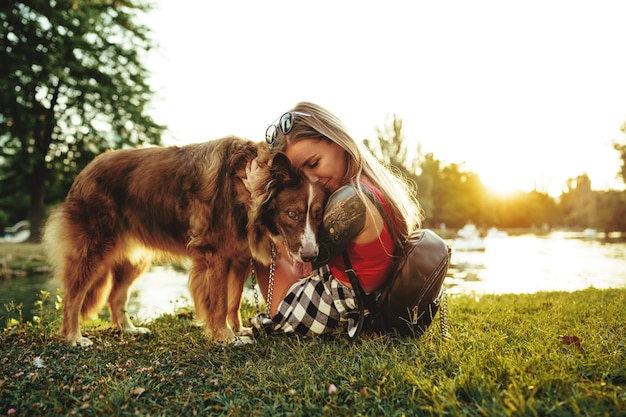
(316,305)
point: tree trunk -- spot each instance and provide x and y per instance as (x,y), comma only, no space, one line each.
(38,176)
(37,211)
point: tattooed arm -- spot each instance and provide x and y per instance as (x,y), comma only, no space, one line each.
(344,219)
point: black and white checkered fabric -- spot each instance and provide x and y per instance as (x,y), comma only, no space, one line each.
(316,305)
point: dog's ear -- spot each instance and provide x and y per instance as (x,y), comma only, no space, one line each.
(281,169)
(281,175)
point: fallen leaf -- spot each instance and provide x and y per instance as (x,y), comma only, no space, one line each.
(572,340)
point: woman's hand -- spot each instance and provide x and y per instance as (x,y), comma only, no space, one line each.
(254,178)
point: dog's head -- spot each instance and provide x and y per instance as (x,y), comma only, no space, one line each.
(292,210)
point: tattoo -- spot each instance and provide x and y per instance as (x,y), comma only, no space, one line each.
(344,219)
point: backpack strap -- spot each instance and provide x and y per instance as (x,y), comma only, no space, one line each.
(360,296)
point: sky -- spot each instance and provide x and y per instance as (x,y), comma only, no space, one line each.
(524,93)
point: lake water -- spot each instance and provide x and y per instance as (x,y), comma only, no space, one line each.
(516,264)
(526,264)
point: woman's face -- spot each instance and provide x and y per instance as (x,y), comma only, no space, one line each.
(321,161)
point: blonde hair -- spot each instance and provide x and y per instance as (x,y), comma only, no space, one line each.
(314,122)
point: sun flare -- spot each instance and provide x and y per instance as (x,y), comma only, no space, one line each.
(503,190)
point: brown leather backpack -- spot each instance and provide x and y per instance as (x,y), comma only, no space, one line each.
(413,292)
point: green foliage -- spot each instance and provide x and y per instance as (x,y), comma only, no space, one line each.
(559,354)
(72,84)
(610,211)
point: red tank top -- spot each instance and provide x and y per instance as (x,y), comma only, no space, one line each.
(372,260)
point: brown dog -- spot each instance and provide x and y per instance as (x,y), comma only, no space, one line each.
(129,206)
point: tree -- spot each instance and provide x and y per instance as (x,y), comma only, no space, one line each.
(578,204)
(461,197)
(428,186)
(71,84)
(390,147)
(611,211)
(621,148)
(447,194)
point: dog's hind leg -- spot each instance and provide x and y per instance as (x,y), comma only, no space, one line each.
(209,290)
(237,276)
(125,273)
(81,297)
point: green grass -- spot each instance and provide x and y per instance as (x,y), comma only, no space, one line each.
(506,357)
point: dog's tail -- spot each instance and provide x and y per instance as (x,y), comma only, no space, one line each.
(65,253)
(57,242)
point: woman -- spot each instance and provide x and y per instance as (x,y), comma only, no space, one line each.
(317,143)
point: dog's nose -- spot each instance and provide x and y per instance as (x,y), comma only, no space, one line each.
(308,255)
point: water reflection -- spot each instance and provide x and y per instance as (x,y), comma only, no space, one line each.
(514,264)
(529,263)
(163,290)
(160,290)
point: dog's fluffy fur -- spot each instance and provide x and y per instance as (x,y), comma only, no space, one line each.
(128,206)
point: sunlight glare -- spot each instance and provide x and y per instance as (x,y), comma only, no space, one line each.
(501,178)
(504,183)
(503,190)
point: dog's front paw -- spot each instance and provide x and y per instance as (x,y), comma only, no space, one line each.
(244,331)
(239,341)
(81,341)
(137,330)
(243,340)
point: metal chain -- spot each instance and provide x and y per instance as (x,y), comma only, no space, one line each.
(443,316)
(270,285)
(253,287)
(270,288)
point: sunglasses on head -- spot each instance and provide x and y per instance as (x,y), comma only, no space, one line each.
(285,123)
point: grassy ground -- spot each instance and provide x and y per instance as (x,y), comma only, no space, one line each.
(557,354)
